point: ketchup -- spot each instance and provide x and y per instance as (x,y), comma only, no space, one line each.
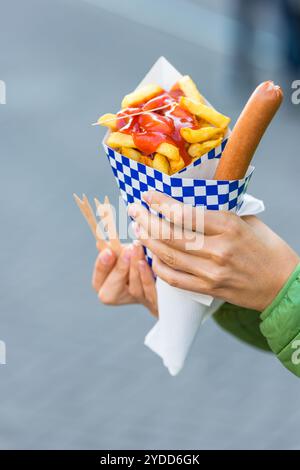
(151,129)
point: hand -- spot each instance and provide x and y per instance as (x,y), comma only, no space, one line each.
(125,280)
(240,261)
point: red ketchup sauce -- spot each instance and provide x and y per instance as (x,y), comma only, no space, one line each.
(153,128)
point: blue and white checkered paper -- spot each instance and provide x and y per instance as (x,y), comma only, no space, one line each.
(134,178)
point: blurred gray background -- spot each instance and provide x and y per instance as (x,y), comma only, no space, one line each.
(77,373)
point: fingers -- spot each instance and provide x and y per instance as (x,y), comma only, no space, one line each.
(103,266)
(149,288)
(159,228)
(180,260)
(174,210)
(211,222)
(141,280)
(155,228)
(135,283)
(179,279)
(116,282)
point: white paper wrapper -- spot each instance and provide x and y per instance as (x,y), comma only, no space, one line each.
(173,334)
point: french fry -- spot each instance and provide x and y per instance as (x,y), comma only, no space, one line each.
(161,163)
(119,139)
(146,160)
(190,90)
(169,150)
(105,213)
(108,120)
(176,166)
(205,112)
(197,150)
(131,153)
(136,155)
(142,94)
(194,136)
(88,214)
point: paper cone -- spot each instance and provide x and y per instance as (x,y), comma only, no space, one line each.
(172,336)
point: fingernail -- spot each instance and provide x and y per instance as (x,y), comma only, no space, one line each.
(137,230)
(106,256)
(133,251)
(147,196)
(142,265)
(127,254)
(132,210)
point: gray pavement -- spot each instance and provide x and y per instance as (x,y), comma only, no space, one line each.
(77,373)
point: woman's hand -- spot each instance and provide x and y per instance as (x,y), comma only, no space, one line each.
(126,279)
(238,260)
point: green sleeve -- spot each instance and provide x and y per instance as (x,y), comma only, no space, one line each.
(277,328)
(280,323)
(243,323)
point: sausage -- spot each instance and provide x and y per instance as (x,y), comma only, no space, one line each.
(248,131)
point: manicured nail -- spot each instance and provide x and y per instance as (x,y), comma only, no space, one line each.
(142,265)
(132,210)
(147,196)
(127,254)
(106,256)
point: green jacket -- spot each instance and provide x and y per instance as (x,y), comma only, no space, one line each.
(276,329)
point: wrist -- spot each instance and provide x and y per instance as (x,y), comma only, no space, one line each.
(278,281)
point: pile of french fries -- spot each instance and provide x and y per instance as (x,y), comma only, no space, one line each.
(211,126)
